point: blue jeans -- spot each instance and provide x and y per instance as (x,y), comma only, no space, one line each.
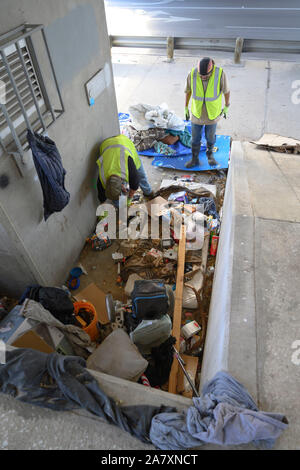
(144,183)
(210,135)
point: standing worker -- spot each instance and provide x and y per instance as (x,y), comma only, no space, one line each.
(119,164)
(205,84)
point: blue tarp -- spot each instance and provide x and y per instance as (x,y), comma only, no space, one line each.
(178,162)
(184,154)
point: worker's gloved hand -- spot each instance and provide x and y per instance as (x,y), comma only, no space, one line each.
(225,111)
(129,200)
(187,113)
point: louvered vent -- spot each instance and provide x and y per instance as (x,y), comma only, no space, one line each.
(24,95)
(22,72)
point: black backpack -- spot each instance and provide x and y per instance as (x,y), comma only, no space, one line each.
(149,300)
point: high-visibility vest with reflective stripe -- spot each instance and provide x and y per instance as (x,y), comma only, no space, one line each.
(212,96)
(114,153)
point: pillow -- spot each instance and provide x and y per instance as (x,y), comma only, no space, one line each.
(119,357)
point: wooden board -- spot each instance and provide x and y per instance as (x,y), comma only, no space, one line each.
(205,254)
(191,365)
(96,297)
(178,309)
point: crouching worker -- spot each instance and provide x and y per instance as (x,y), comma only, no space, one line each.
(119,164)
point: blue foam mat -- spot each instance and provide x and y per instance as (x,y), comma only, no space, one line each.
(184,154)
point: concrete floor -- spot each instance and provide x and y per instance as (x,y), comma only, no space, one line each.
(260,102)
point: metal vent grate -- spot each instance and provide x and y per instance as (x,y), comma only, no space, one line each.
(24,101)
(23,73)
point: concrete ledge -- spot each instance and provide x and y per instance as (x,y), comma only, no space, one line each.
(254,323)
(231,335)
(131,393)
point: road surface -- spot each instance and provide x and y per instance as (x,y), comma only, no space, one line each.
(255,19)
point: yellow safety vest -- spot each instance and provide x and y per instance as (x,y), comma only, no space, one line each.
(212,96)
(114,153)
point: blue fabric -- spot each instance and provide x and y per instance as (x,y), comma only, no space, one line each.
(224,414)
(48,164)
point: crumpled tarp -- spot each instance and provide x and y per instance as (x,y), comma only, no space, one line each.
(224,414)
(48,164)
(62,383)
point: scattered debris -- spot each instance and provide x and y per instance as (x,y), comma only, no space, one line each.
(164,290)
(278,143)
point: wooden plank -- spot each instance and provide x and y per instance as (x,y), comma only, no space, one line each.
(205,252)
(191,366)
(178,308)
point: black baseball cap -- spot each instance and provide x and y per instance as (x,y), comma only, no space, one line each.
(204,65)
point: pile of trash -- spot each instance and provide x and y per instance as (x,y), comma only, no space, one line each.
(156,128)
(57,336)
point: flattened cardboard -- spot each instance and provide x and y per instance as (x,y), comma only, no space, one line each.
(154,212)
(32,340)
(96,297)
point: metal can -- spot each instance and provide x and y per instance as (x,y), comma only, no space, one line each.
(214,245)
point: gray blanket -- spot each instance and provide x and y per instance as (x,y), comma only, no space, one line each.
(225,414)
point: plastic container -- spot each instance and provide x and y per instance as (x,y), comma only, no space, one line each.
(91,329)
(76,272)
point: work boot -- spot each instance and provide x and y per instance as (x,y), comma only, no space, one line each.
(210,158)
(149,196)
(195,157)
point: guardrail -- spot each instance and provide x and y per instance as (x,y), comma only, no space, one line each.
(237,46)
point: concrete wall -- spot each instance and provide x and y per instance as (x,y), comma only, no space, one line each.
(230,343)
(32,250)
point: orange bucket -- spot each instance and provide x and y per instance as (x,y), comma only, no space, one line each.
(91,329)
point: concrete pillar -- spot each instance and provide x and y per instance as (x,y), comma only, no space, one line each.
(238,50)
(170,48)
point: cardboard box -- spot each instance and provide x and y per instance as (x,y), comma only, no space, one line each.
(96,297)
(32,340)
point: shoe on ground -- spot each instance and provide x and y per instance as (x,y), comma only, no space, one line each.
(192,163)
(150,196)
(210,158)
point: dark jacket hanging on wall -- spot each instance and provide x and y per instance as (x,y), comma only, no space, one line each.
(51,173)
